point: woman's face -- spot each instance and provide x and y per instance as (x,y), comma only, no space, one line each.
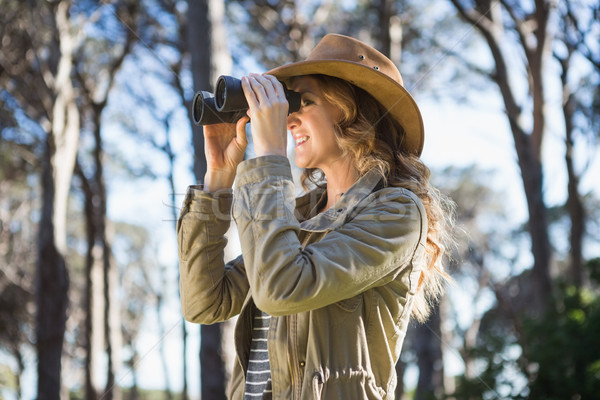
(312,127)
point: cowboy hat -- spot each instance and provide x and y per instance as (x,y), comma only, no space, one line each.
(363,66)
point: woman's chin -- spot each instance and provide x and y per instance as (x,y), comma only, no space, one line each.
(300,163)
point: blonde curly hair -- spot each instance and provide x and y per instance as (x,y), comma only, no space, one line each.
(373,140)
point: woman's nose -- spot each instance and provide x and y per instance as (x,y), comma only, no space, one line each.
(293,121)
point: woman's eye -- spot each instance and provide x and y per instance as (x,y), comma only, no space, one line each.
(306,102)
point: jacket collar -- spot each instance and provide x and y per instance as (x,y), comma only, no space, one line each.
(308,204)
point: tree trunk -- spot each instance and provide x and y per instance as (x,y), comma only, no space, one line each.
(400,370)
(112,317)
(531,173)
(102,320)
(91,353)
(51,297)
(206,44)
(167,149)
(52,284)
(112,325)
(168,394)
(527,144)
(428,346)
(575,206)
(384,13)
(52,281)
(212,365)
(199,38)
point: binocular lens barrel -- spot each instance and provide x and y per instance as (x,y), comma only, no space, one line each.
(229,104)
(204,111)
(229,95)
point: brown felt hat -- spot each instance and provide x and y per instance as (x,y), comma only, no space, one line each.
(360,64)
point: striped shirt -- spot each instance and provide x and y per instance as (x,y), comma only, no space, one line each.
(258,378)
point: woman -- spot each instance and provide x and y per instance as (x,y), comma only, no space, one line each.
(326,283)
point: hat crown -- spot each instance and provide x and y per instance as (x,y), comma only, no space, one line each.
(335,47)
(351,60)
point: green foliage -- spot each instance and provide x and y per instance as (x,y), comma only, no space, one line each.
(594,270)
(555,357)
(564,348)
(498,368)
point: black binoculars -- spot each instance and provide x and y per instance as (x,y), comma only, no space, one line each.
(229,104)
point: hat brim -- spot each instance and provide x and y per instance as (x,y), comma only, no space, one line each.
(399,103)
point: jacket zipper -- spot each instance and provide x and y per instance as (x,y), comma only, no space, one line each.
(296,373)
(293,361)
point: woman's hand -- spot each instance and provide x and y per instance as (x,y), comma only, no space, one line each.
(268,110)
(224,148)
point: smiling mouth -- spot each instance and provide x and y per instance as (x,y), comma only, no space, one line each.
(301,140)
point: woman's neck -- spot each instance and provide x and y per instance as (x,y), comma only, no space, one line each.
(339,179)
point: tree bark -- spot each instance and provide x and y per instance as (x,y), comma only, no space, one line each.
(428,346)
(527,144)
(91,389)
(102,323)
(52,284)
(212,365)
(52,281)
(575,207)
(110,314)
(206,44)
(400,370)
(199,39)
(385,11)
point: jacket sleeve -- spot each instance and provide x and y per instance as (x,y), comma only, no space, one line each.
(211,291)
(382,238)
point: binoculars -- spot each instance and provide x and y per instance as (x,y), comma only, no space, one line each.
(229,104)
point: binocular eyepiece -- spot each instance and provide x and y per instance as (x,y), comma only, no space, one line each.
(229,104)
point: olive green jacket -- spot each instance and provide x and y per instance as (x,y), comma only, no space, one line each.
(339,285)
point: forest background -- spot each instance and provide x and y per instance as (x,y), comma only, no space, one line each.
(97,150)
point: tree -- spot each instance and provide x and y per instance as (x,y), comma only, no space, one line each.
(49,68)
(482,269)
(195,34)
(494,19)
(18,164)
(26,90)
(207,47)
(537,31)
(42,86)
(573,49)
(99,259)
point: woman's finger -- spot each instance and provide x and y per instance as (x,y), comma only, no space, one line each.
(249,92)
(277,86)
(267,86)
(259,90)
(240,128)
